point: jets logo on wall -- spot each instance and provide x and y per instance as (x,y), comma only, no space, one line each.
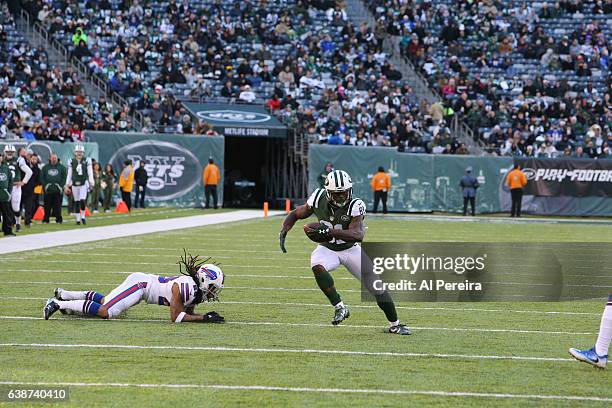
(529,173)
(173,170)
(227,115)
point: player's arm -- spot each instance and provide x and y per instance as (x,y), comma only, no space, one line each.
(354,233)
(69,174)
(26,169)
(90,173)
(300,213)
(178,313)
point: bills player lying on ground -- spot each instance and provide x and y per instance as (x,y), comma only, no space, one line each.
(199,282)
(341,229)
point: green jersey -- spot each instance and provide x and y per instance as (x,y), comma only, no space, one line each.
(15,168)
(335,218)
(79,171)
(53,178)
(6,182)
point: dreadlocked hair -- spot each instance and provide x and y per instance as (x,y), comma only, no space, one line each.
(192,265)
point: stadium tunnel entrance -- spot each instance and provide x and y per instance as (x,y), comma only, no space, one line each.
(262,169)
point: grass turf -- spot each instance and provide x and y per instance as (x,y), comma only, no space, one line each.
(271,302)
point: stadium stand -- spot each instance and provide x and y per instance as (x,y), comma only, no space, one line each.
(302,59)
(39,100)
(529,77)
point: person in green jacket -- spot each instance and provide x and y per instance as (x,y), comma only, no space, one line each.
(97,187)
(6,186)
(53,177)
(109,178)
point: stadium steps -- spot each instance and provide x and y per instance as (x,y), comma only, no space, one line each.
(358,13)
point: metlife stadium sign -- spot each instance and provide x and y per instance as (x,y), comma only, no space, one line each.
(569,178)
(238,119)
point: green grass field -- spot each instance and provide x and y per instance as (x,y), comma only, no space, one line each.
(278,332)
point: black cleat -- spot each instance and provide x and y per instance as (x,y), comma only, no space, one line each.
(341,314)
(78,222)
(84,221)
(18,228)
(400,329)
(50,308)
(10,234)
(58,296)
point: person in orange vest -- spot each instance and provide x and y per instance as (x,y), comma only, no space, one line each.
(516,180)
(126,183)
(381,184)
(210,178)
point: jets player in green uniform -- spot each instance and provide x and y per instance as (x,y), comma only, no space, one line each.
(80,180)
(341,217)
(21,174)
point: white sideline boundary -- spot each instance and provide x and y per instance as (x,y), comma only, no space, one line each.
(325,326)
(288,351)
(79,236)
(313,390)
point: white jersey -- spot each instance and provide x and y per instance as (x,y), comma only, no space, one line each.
(159,289)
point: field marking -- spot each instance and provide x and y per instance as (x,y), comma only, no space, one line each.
(321,325)
(79,236)
(435,393)
(288,350)
(356,306)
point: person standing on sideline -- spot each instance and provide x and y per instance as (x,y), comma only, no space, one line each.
(469,184)
(323,176)
(27,194)
(516,180)
(381,184)
(126,183)
(94,199)
(53,178)
(211,177)
(141,177)
(6,186)
(109,178)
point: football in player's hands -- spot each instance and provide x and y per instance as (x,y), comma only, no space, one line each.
(317,232)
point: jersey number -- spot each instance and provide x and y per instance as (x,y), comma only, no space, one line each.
(79,169)
(338,227)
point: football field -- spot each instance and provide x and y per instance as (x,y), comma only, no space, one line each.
(278,347)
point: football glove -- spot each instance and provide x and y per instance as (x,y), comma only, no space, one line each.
(320,234)
(212,317)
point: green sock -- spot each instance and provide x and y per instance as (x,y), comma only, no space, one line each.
(386,304)
(326,284)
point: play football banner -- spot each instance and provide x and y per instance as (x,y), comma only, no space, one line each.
(238,119)
(174,163)
(567,178)
(426,183)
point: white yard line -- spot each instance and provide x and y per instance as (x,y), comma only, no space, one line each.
(359,306)
(436,393)
(284,351)
(78,236)
(327,326)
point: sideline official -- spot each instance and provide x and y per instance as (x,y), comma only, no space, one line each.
(211,178)
(516,180)
(469,184)
(141,177)
(381,184)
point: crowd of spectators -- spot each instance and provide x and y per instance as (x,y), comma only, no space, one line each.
(303,59)
(40,101)
(529,77)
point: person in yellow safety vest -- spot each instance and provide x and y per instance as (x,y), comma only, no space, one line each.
(126,183)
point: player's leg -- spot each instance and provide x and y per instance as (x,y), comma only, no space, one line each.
(322,262)
(384,201)
(16,206)
(359,264)
(473,205)
(598,355)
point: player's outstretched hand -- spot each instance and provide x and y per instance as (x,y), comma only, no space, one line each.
(212,317)
(281,238)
